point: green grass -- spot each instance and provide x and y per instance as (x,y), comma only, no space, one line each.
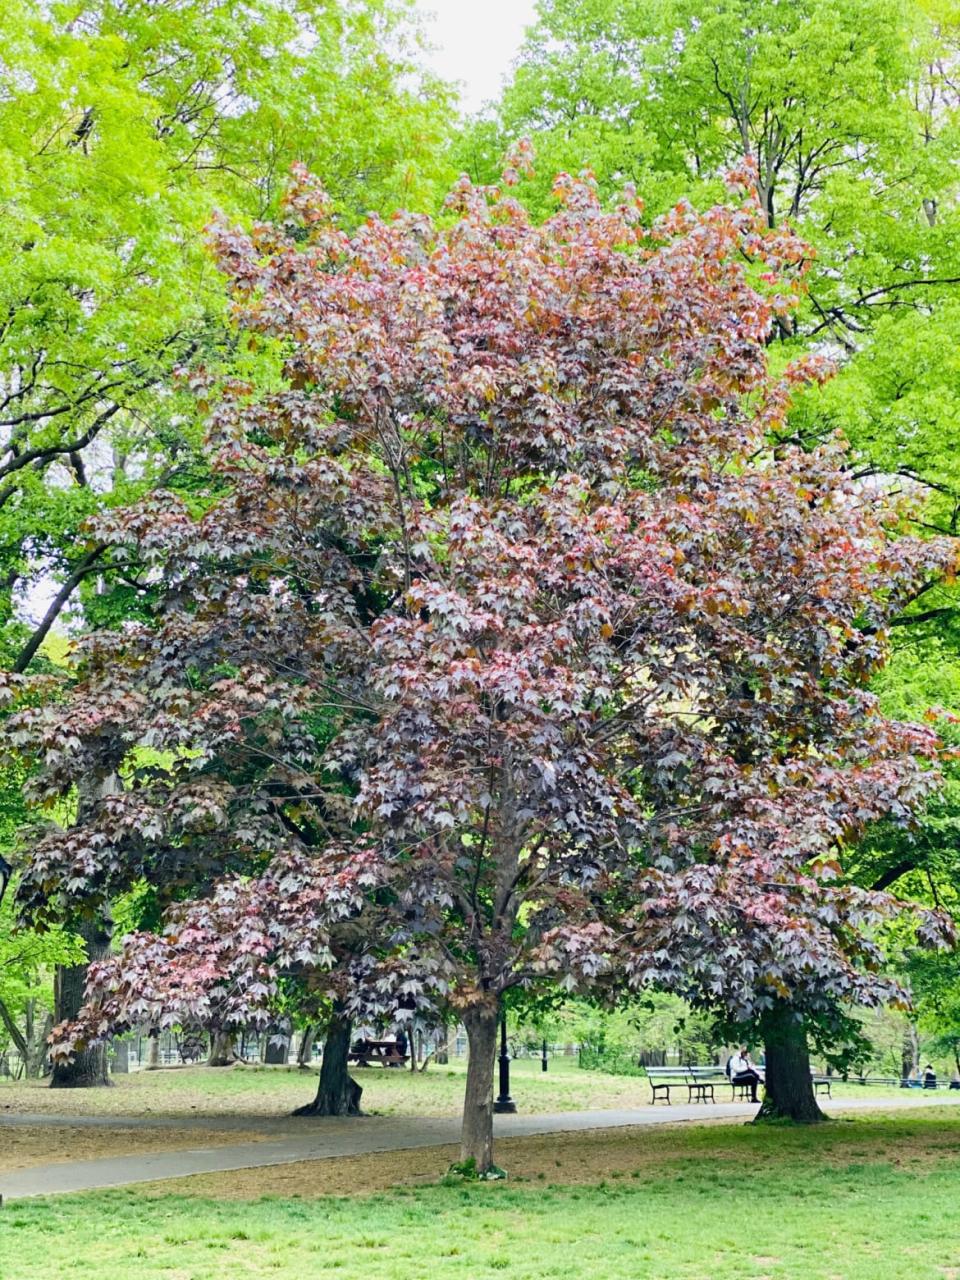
(253,1091)
(192,1091)
(875,1199)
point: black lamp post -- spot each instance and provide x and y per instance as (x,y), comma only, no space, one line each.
(503,1102)
(543,1058)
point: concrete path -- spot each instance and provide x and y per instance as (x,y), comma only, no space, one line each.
(325,1139)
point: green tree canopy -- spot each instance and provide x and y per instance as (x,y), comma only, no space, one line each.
(122,127)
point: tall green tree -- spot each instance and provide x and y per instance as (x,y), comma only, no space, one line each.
(122,127)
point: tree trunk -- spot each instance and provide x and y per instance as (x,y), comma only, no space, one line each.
(277,1052)
(223,1049)
(910,1052)
(305,1051)
(16,1035)
(89,1067)
(38,1049)
(476,1135)
(153,1052)
(788,1088)
(337,1093)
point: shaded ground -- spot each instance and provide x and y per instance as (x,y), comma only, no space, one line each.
(26,1148)
(586,1158)
(865,1199)
(287,1141)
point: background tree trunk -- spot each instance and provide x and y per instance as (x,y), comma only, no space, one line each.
(305,1051)
(476,1135)
(910,1052)
(788,1088)
(223,1049)
(277,1053)
(89,1067)
(153,1051)
(38,1048)
(338,1094)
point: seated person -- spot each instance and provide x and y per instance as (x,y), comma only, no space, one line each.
(929,1077)
(742,1071)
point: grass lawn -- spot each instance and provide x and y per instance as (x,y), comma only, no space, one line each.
(276,1091)
(253,1091)
(873,1198)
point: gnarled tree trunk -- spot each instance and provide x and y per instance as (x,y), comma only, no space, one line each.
(89,1067)
(338,1094)
(788,1087)
(476,1135)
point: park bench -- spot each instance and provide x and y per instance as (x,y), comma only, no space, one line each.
(384,1052)
(701,1082)
(900,1082)
(890,1082)
(698,1081)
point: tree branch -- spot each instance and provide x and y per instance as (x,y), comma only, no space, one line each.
(27,653)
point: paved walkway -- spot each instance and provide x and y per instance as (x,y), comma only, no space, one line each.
(326,1138)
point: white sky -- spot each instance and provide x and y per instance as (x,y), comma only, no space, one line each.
(476,42)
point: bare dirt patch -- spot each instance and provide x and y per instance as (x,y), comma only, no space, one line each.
(25,1147)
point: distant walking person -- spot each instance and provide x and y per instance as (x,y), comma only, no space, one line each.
(742,1071)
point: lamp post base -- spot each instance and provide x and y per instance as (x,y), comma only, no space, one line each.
(503,1104)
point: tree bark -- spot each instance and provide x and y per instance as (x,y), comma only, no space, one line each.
(788,1087)
(16,1035)
(305,1050)
(89,1067)
(38,1048)
(276,1053)
(223,1049)
(910,1052)
(153,1052)
(338,1094)
(476,1135)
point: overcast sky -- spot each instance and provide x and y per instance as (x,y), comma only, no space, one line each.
(476,42)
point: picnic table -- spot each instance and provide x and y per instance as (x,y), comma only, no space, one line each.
(366,1052)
